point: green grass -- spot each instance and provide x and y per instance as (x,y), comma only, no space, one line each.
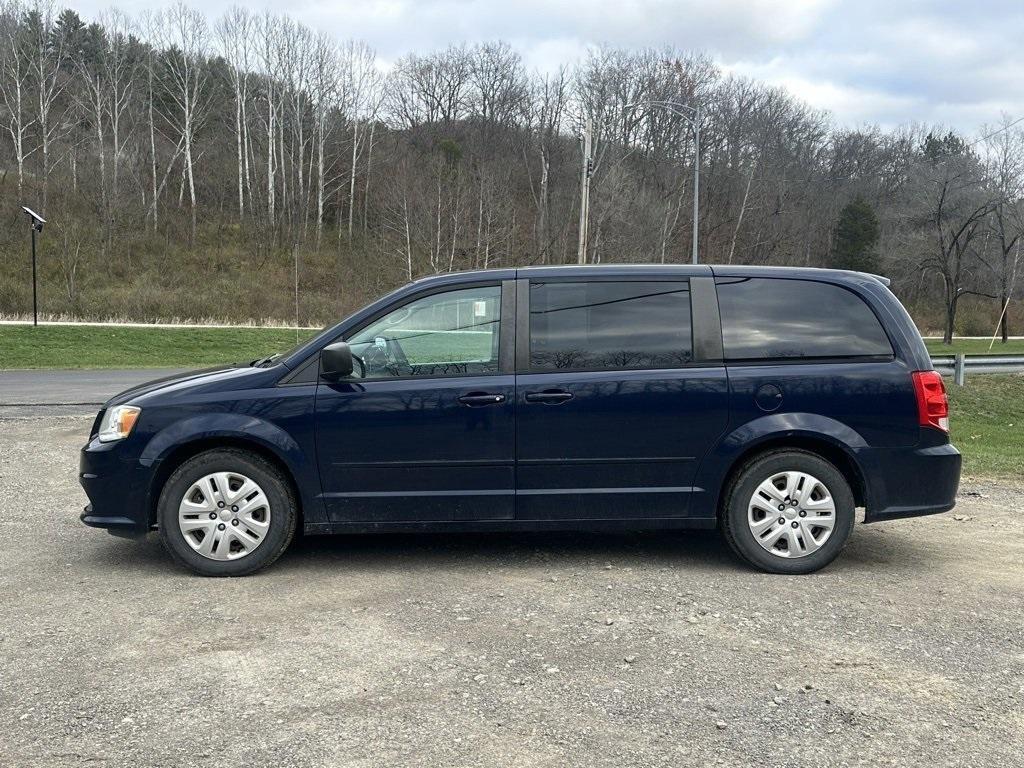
(987,424)
(55,346)
(975,347)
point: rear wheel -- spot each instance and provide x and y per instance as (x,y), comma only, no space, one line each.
(226,512)
(788,511)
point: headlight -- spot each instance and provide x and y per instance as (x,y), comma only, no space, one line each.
(118,423)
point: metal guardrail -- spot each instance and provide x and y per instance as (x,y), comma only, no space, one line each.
(959,366)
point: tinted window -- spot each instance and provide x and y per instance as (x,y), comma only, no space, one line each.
(773,318)
(609,325)
(440,335)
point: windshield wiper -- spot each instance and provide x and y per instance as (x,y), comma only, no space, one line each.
(262,362)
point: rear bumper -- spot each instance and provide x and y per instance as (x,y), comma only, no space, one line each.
(909,483)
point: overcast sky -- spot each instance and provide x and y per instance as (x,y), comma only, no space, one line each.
(888,62)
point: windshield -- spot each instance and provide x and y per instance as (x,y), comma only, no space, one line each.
(274,359)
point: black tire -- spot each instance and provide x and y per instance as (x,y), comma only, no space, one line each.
(737,497)
(280,497)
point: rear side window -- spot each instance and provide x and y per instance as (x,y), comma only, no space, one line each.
(606,325)
(774,318)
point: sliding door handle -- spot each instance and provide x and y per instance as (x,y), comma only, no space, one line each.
(549,396)
(477,399)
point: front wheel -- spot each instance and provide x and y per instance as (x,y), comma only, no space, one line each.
(226,512)
(788,511)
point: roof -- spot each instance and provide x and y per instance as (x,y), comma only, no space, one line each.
(677,270)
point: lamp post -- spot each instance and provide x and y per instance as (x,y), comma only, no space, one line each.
(36,221)
(588,169)
(692,116)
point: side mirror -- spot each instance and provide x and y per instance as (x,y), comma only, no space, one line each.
(336,361)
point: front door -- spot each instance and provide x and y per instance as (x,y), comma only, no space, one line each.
(614,408)
(424,430)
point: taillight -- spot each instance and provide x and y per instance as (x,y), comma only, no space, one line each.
(932,405)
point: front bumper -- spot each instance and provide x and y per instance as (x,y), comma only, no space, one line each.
(117,487)
(909,483)
(116,526)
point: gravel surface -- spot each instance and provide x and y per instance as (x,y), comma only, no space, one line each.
(504,650)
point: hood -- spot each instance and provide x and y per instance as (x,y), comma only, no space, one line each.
(182,380)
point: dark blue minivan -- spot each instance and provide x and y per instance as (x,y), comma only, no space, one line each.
(768,402)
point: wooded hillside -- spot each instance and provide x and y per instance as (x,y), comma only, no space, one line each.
(232,168)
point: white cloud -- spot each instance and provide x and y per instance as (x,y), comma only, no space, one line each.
(876,61)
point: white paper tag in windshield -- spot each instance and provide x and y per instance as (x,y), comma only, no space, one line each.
(479,309)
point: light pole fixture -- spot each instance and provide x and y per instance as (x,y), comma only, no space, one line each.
(36,221)
(692,116)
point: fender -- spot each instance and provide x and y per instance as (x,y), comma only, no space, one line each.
(719,461)
(240,427)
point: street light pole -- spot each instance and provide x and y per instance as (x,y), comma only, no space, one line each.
(35,303)
(36,221)
(692,116)
(696,178)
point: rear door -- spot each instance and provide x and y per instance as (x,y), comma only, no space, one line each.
(820,351)
(620,391)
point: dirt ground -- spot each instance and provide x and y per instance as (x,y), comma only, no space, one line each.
(654,649)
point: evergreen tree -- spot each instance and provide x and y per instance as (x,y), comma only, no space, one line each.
(856,238)
(939,148)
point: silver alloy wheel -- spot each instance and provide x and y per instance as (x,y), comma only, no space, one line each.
(224,516)
(791,514)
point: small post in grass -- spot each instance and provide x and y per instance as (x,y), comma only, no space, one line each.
(959,373)
(36,222)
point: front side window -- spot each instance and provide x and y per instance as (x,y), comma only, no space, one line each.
(771,318)
(609,325)
(444,334)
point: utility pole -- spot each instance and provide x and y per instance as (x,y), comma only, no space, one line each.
(36,222)
(585,189)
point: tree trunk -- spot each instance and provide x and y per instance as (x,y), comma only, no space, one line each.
(238,147)
(951,301)
(366,184)
(352,178)
(152,151)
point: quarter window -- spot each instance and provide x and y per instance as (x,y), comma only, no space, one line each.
(608,325)
(451,333)
(775,318)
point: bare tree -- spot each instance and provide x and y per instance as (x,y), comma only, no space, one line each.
(362,98)
(269,59)
(324,77)
(1005,154)
(951,200)
(183,33)
(235,31)
(425,90)
(14,82)
(547,113)
(47,80)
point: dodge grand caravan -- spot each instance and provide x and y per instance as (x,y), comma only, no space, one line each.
(767,402)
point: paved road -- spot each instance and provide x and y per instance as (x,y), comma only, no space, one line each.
(597,650)
(23,388)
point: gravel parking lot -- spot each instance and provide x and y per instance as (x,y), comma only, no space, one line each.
(569,649)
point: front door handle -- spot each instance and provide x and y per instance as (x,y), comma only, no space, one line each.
(550,396)
(477,399)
